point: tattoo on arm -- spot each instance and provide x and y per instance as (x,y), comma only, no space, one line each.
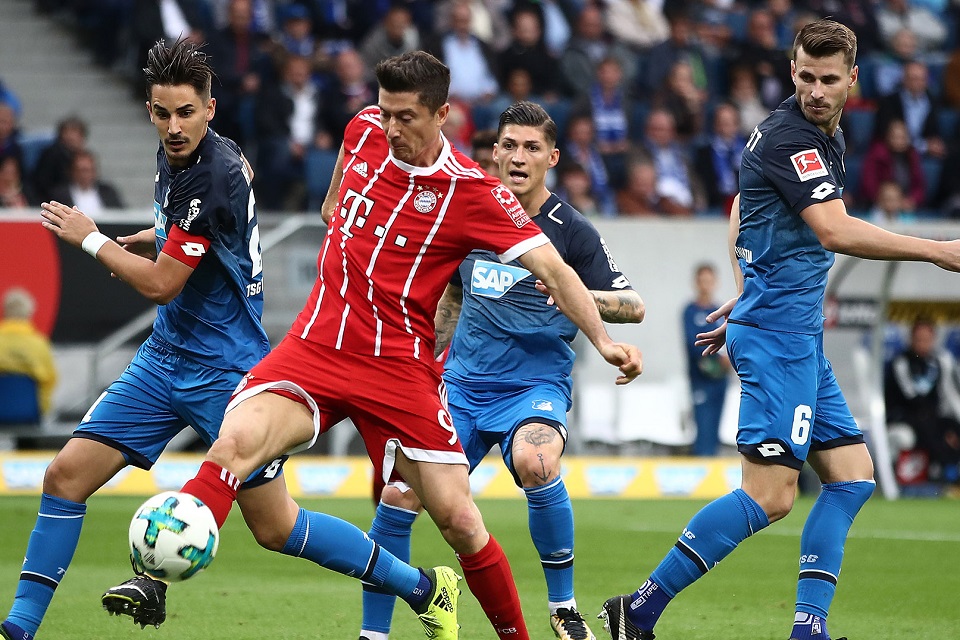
(619,306)
(448,312)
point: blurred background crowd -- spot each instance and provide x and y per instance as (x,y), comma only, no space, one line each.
(654,98)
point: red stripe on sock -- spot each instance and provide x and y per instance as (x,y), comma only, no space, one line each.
(488,575)
(216,487)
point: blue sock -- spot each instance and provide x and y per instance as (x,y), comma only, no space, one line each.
(821,545)
(550,515)
(339,546)
(711,535)
(52,543)
(391,530)
(15,632)
(807,626)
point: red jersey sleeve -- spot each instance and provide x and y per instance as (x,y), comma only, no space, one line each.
(359,127)
(185,247)
(498,221)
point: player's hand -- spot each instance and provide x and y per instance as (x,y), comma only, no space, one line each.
(542,288)
(142,243)
(625,357)
(70,225)
(713,340)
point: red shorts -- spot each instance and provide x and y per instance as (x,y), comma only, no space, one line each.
(394,402)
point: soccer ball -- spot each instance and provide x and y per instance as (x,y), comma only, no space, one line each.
(173,536)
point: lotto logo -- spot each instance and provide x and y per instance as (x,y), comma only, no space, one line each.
(194,249)
(808,165)
(770,449)
(822,191)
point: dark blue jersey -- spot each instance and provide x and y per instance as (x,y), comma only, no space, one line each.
(216,318)
(507,336)
(788,165)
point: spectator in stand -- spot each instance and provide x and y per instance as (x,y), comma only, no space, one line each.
(14,194)
(888,66)
(894,15)
(239,58)
(23,349)
(946,198)
(287,118)
(717,161)
(759,52)
(639,196)
(676,185)
(609,106)
(744,94)
(154,20)
(84,190)
(9,98)
(53,167)
(580,148)
(394,35)
(341,23)
(637,23)
(9,143)
(528,51)
(470,60)
(893,158)
(681,96)
(262,15)
(481,145)
(458,127)
(592,44)
(783,13)
(920,388)
(488,20)
(349,92)
(681,46)
(916,106)
(518,88)
(296,32)
(556,17)
(575,189)
(859,15)
(890,207)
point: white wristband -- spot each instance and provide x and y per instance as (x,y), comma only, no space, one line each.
(92,243)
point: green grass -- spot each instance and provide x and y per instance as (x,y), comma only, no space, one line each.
(900,578)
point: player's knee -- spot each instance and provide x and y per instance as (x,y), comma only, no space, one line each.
(270,535)
(536,468)
(460,524)
(402,499)
(62,479)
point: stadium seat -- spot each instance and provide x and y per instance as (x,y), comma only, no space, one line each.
(19,402)
(319,166)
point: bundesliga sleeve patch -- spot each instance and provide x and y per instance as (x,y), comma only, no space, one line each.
(511,205)
(808,165)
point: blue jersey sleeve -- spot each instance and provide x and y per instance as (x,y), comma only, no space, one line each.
(797,165)
(590,257)
(195,206)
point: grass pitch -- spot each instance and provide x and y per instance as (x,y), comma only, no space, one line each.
(900,577)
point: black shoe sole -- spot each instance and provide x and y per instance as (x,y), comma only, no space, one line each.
(118,605)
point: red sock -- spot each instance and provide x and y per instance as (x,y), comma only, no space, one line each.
(488,575)
(216,487)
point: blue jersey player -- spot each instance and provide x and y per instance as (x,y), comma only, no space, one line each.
(785,229)
(206,277)
(508,368)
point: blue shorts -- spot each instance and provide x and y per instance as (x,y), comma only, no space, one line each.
(486,418)
(790,400)
(159,394)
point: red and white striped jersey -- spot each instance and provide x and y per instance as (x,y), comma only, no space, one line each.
(398,234)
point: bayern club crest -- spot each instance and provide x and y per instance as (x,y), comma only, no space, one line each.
(426,199)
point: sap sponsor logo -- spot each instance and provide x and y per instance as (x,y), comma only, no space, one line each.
(492,279)
(159,221)
(542,405)
(808,165)
(192,212)
(481,478)
(322,479)
(511,205)
(173,475)
(607,481)
(679,480)
(24,474)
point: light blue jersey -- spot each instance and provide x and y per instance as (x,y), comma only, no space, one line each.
(507,336)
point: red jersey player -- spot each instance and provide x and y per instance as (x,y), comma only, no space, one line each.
(404,209)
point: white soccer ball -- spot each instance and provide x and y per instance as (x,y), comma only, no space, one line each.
(173,536)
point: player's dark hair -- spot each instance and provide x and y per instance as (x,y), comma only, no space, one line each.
(183,63)
(529,114)
(416,72)
(823,38)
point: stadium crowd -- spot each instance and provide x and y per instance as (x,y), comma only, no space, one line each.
(654,98)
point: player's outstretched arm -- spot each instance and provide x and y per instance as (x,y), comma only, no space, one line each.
(329,205)
(158,281)
(448,314)
(616,307)
(577,304)
(845,234)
